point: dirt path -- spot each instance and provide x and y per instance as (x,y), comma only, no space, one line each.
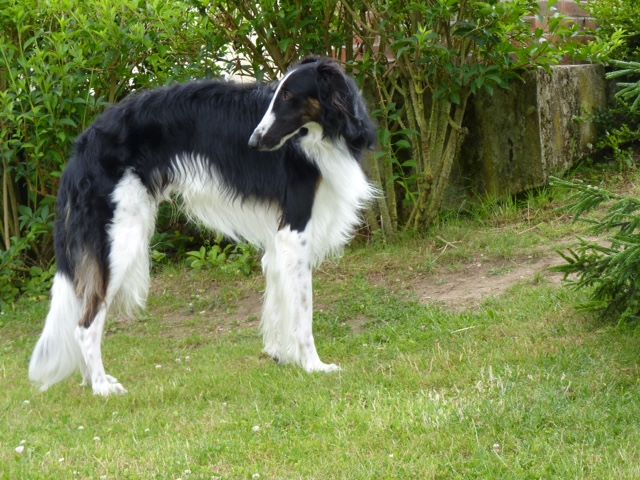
(463,287)
(476,282)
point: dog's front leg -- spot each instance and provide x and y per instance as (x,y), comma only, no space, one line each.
(288,311)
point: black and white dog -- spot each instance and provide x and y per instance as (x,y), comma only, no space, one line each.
(275,165)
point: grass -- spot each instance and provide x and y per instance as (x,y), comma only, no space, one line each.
(524,386)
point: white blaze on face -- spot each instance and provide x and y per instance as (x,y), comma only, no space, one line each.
(269,117)
(265,124)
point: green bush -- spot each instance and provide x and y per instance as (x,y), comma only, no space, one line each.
(618,16)
(419,62)
(619,124)
(61,63)
(609,267)
(617,44)
(227,257)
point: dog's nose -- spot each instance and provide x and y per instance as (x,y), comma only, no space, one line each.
(254,140)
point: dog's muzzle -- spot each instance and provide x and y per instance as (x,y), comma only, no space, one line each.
(254,140)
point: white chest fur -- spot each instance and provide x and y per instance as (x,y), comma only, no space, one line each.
(342,194)
(209,201)
(340,197)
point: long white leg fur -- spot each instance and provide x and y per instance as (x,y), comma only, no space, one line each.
(57,353)
(129,234)
(64,345)
(288,308)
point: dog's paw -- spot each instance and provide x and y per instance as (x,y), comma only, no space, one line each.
(322,367)
(108,387)
(275,355)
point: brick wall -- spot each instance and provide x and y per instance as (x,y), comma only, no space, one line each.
(573,13)
(572,10)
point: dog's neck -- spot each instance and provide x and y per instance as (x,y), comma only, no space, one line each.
(342,194)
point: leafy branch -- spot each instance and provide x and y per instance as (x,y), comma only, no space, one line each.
(610,268)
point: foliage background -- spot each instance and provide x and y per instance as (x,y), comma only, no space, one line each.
(618,16)
(63,61)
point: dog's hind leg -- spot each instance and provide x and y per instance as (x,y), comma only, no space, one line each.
(128,280)
(91,284)
(129,236)
(90,340)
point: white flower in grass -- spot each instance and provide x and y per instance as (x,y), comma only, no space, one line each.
(255,428)
(25,402)
(158,365)
(61,459)
(80,427)
(20,449)
(255,476)
(96,439)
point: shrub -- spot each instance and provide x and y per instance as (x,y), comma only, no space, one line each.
(618,16)
(61,63)
(419,62)
(227,257)
(609,267)
(617,44)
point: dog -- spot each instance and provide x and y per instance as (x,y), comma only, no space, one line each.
(276,165)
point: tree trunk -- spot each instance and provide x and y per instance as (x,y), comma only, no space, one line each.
(445,135)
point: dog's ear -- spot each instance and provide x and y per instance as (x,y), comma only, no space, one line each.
(309,59)
(333,90)
(343,106)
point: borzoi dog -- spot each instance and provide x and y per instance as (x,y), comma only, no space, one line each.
(275,165)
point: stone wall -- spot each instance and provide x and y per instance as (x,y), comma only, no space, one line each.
(541,127)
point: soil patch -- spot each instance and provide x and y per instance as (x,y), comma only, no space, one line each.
(474,283)
(214,309)
(466,286)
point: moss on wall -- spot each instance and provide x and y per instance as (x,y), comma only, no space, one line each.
(540,127)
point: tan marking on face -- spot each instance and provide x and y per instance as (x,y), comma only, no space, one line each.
(312,111)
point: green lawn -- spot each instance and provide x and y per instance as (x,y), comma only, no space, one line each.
(523,386)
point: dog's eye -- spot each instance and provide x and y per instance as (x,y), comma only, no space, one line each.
(286,95)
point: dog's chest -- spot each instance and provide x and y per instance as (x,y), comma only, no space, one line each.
(341,196)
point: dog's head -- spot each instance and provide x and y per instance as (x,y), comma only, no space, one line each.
(316,91)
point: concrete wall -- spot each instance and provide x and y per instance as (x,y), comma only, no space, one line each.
(541,127)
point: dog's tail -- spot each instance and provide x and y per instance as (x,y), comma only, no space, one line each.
(57,353)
